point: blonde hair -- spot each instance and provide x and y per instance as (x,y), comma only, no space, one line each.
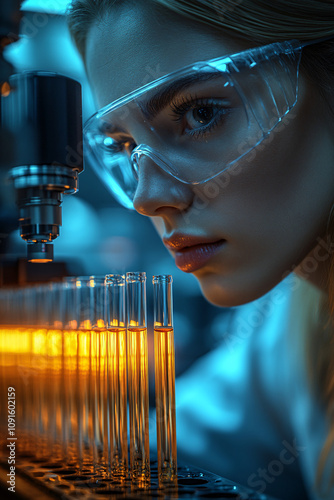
(263,22)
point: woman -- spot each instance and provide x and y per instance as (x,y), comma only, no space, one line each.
(231,155)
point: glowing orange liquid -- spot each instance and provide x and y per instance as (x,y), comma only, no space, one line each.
(165,404)
(138,405)
(31,361)
(102,401)
(117,394)
(70,394)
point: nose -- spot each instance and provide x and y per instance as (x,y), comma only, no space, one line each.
(158,192)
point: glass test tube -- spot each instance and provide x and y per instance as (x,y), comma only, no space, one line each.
(70,382)
(165,379)
(92,400)
(116,381)
(138,378)
(53,400)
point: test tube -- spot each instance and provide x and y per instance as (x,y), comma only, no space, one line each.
(91,373)
(116,379)
(70,382)
(52,356)
(165,379)
(138,379)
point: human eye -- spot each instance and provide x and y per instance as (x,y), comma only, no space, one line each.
(119,145)
(199,116)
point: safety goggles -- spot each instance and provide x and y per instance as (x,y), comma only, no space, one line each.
(196,122)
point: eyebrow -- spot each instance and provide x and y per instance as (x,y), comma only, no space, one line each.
(161,99)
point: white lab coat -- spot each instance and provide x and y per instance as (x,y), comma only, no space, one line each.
(245,410)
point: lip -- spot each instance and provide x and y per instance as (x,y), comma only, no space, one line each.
(192,253)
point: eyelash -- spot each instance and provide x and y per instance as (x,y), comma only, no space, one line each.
(192,102)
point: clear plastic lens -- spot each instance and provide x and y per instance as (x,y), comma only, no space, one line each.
(114,169)
(197,122)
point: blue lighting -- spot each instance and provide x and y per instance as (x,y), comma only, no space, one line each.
(49,6)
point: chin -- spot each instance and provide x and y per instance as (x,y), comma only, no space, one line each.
(232,292)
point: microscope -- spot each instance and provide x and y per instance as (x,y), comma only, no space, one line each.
(40,142)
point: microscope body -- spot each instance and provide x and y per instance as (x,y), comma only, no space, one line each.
(43,113)
(41,142)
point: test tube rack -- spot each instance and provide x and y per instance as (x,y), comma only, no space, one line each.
(47,480)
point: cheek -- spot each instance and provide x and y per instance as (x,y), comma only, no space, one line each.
(284,188)
(272,212)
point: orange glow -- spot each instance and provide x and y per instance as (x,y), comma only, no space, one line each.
(16,340)
(165,404)
(116,363)
(54,343)
(116,323)
(57,325)
(138,405)
(133,324)
(70,343)
(5,89)
(38,339)
(71,389)
(40,261)
(100,323)
(86,325)
(72,325)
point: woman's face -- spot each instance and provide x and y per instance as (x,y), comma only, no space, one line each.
(241,235)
